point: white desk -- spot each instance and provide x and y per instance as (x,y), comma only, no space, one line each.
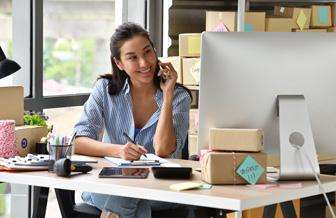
(237,198)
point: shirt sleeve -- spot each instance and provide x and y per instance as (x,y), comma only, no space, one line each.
(91,122)
(181,107)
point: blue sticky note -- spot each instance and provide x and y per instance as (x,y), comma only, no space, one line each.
(250,170)
(323,15)
(248,27)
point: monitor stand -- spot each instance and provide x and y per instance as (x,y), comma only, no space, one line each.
(296,139)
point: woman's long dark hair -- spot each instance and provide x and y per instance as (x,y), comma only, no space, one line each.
(125,32)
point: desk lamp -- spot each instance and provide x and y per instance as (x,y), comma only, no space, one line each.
(7,66)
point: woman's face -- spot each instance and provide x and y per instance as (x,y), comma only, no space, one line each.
(138,59)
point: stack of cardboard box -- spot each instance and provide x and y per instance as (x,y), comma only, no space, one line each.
(317,18)
(26,137)
(235,157)
(189,51)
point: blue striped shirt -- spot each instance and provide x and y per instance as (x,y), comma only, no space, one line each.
(113,113)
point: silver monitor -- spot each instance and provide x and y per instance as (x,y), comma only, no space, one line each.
(242,76)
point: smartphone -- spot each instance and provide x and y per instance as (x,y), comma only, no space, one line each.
(161,77)
(119,172)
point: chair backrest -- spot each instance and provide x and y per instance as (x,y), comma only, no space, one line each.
(185,150)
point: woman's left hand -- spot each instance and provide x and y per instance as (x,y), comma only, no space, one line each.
(169,74)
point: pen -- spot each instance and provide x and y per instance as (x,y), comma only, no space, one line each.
(130,140)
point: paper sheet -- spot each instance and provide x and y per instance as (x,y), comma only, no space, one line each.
(194,43)
(301,20)
(122,162)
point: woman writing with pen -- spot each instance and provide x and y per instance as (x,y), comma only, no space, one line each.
(141,99)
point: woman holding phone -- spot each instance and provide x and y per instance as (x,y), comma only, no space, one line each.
(142,99)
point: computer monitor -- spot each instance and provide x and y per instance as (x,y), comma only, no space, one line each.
(242,74)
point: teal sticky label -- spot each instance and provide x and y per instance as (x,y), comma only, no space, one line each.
(323,15)
(248,27)
(250,170)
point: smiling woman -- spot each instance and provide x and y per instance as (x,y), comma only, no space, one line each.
(133,99)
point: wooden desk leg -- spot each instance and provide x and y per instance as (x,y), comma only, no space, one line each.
(288,209)
(269,211)
(40,200)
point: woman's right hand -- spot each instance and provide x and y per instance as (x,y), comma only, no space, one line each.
(130,151)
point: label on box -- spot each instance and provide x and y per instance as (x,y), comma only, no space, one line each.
(250,170)
(323,15)
(282,9)
(301,20)
(221,27)
(248,27)
(194,44)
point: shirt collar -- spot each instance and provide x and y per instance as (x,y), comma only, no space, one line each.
(126,87)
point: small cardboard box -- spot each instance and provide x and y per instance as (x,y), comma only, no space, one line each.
(176,61)
(300,16)
(221,21)
(220,167)
(321,16)
(191,71)
(333,14)
(27,136)
(221,139)
(192,144)
(311,30)
(11,104)
(190,44)
(254,22)
(278,24)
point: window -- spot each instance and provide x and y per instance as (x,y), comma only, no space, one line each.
(6,39)
(76,44)
(63,119)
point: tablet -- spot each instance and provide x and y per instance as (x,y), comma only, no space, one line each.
(118,172)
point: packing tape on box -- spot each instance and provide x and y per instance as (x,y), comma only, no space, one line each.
(7,139)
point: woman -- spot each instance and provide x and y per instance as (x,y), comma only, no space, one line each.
(140,98)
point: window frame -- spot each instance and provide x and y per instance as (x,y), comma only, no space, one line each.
(36,101)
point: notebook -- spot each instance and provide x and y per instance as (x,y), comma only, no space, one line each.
(151,160)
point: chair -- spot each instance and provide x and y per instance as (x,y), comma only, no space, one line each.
(69,209)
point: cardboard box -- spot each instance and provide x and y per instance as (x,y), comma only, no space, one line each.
(311,30)
(11,104)
(176,61)
(333,14)
(300,16)
(278,24)
(221,21)
(221,139)
(27,136)
(254,22)
(190,44)
(220,167)
(321,16)
(192,144)
(193,121)
(191,71)
(226,21)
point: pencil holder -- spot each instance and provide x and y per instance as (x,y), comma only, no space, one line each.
(57,152)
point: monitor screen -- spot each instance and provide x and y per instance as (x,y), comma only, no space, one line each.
(243,73)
